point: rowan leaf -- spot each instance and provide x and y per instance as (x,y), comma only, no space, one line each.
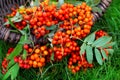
(101,41)
(97,9)
(17,18)
(52,57)
(17,50)
(53,27)
(96,2)
(89,54)
(60,2)
(104,54)
(109,44)
(90,39)
(13,71)
(24,55)
(11,63)
(82,48)
(98,56)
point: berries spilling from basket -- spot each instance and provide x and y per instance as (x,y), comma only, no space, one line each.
(66,28)
(38,56)
(75,20)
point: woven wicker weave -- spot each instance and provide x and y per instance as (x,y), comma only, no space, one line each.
(5,8)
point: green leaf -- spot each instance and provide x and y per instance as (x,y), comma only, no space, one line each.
(111,51)
(90,39)
(60,2)
(104,54)
(23,38)
(15,52)
(25,42)
(35,3)
(89,2)
(101,41)
(51,34)
(109,44)
(98,56)
(82,48)
(10,22)
(17,18)
(24,55)
(13,71)
(97,9)
(27,29)
(89,54)
(15,31)
(52,57)
(77,3)
(53,27)
(50,39)
(96,2)
(11,63)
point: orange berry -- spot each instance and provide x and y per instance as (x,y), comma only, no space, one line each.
(77,68)
(74,13)
(48,23)
(43,48)
(86,20)
(45,52)
(34,64)
(87,31)
(87,27)
(30,62)
(36,56)
(68,32)
(80,22)
(75,8)
(78,33)
(75,20)
(32,57)
(70,14)
(68,44)
(80,18)
(37,59)
(42,60)
(30,50)
(73,71)
(71,9)
(39,64)
(37,51)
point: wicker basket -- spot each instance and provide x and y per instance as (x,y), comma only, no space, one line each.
(5,8)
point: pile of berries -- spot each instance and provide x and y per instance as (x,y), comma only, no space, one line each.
(100,33)
(38,56)
(72,23)
(77,62)
(45,15)
(5,61)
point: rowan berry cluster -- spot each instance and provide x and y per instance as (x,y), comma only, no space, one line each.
(72,22)
(47,15)
(5,61)
(63,45)
(77,62)
(100,33)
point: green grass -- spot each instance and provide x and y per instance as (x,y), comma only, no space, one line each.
(110,22)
